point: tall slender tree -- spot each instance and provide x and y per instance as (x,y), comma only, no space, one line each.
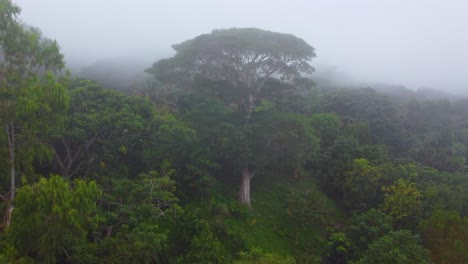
(31,100)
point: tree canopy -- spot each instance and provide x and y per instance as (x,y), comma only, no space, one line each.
(241,56)
(244,58)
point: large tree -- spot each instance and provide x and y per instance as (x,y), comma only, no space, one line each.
(30,101)
(243,60)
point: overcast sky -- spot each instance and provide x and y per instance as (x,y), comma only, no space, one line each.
(416,43)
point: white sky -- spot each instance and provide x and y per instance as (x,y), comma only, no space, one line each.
(411,42)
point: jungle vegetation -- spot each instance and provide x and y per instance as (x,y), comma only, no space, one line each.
(227,153)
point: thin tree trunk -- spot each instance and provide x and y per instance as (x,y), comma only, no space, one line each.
(10,130)
(244,194)
(251,106)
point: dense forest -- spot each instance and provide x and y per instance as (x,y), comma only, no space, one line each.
(227,152)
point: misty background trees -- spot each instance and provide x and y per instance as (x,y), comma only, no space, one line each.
(230,151)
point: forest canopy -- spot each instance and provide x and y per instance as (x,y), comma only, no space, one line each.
(228,153)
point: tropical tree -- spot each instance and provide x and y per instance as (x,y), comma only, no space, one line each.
(52,216)
(103,128)
(204,247)
(29,104)
(361,184)
(397,247)
(365,228)
(328,127)
(403,201)
(137,216)
(338,247)
(446,234)
(242,60)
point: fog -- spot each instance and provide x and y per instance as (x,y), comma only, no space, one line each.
(418,43)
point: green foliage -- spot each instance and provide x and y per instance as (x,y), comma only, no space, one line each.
(327,126)
(138,215)
(25,52)
(150,197)
(310,214)
(377,155)
(366,106)
(264,105)
(446,234)
(143,244)
(204,248)
(256,256)
(444,197)
(230,53)
(51,216)
(397,247)
(10,255)
(359,130)
(439,134)
(101,126)
(108,133)
(309,206)
(164,97)
(292,217)
(344,150)
(32,103)
(365,228)
(282,140)
(268,227)
(338,249)
(403,201)
(238,66)
(169,160)
(361,184)
(40,113)
(200,172)
(333,164)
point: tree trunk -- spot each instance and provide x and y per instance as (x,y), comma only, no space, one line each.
(10,131)
(244,194)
